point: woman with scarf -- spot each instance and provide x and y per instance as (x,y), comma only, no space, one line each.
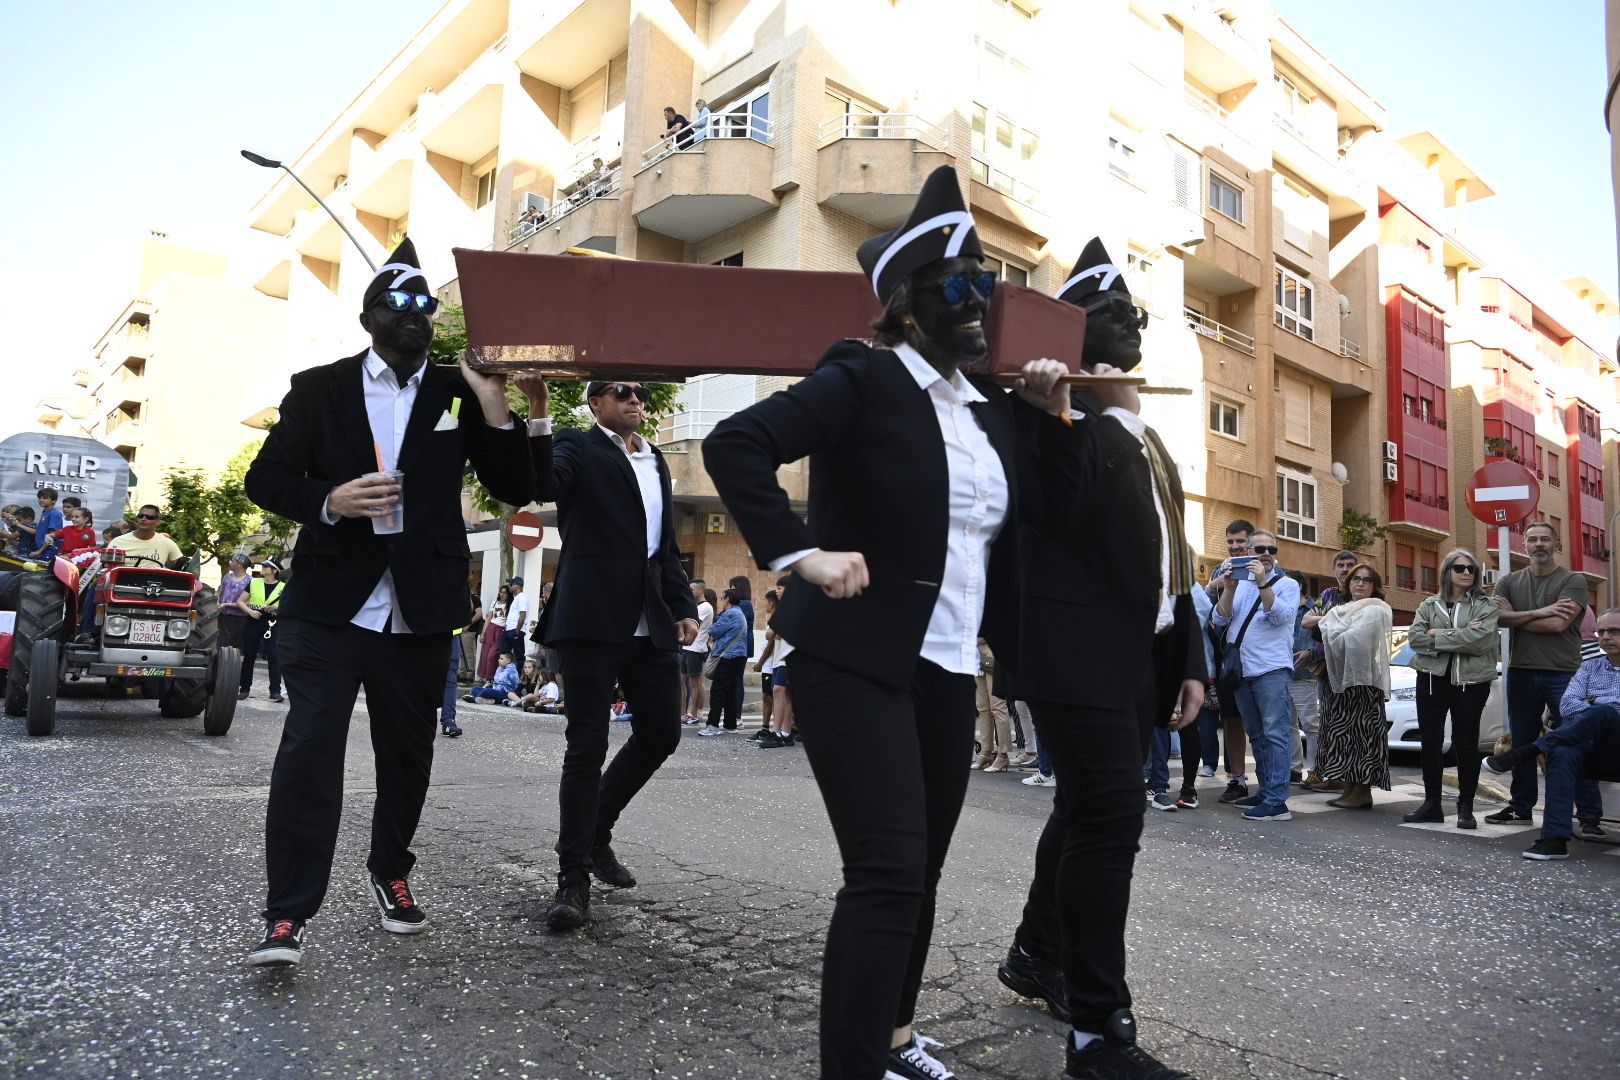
(1355,636)
(1455,640)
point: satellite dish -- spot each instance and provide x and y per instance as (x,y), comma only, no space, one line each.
(1340,473)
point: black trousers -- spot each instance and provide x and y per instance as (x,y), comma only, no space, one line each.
(889,763)
(325,667)
(1436,696)
(1080,897)
(592,800)
(725,696)
(253,635)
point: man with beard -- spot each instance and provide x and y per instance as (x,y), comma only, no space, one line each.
(380,435)
(1118,572)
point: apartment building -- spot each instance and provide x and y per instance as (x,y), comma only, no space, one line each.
(1250,187)
(181,374)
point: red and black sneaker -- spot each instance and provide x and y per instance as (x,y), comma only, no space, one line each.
(400,915)
(283,944)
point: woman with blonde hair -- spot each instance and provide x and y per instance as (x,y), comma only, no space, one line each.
(1456,647)
(1355,638)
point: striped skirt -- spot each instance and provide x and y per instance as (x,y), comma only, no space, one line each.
(1354,747)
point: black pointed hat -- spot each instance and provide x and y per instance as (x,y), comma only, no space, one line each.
(1094,273)
(401,271)
(939,227)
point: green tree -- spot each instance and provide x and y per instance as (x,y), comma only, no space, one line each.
(1357,530)
(272,533)
(208,520)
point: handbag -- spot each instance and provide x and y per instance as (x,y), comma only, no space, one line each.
(1232,653)
(711,665)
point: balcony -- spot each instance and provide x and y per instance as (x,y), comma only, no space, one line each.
(386,193)
(717,181)
(871,166)
(1204,326)
(1204,103)
(464,121)
(589,218)
(1235,486)
(315,234)
(1349,348)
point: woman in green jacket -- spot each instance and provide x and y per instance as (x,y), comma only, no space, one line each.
(1454,639)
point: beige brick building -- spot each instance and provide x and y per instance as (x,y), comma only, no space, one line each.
(1246,182)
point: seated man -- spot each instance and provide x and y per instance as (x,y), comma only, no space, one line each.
(1589,736)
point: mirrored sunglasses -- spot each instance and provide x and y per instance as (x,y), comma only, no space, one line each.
(400,300)
(956,286)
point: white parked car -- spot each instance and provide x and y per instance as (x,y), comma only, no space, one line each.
(1401,709)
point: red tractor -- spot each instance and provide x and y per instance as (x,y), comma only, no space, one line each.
(158,629)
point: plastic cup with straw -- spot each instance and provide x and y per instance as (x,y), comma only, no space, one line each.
(393,521)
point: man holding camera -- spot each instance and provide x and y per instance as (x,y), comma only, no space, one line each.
(1255,617)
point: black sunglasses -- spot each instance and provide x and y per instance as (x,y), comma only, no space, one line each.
(1363,578)
(624,392)
(1261,549)
(400,300)
(1608,630)
(1135,316)
(1462,568)
(148,517)
(956,286)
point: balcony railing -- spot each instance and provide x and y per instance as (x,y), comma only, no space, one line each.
(1204,103)
(691,424)
(732,125)
(884,126)
(1349,348)
(987,172)
(1202,324)
(588,189)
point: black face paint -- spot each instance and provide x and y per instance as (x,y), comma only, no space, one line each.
(954,330)
(404,333)
(1113,336)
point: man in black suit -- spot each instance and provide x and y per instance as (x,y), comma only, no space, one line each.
(372,607)
(619,607)
(1107,593)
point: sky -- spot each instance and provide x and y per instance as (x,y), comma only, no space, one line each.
(124,117)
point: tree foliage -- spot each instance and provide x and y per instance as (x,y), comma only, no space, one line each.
(210,519)
(1357,531)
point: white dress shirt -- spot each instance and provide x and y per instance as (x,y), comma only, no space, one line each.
(1167,603)
(644,463)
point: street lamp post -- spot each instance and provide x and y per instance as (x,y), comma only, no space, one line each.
(271,163)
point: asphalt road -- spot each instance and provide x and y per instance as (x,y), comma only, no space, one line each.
(1340,944)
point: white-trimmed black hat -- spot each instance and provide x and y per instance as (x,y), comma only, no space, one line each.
(1095,273)
(399,272)
(940,227)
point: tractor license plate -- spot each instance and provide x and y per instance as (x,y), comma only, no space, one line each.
(145,632)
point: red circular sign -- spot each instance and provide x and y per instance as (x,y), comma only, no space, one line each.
(525,530)
(1503,493)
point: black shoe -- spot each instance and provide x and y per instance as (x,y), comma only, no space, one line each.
(1465,817)
(1042,980)
(772,741)
(606,868)
(452,730)
(1509,760)
(1547,849)
(277,698)
(1427,813)
(913,1062)
(1116,1056)
(1507,816)
(400,915)
(1590,830)
(283,944)
(241,695)
(1235,791)
(1295,777)
(571,906)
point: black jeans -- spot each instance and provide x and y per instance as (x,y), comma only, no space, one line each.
(726,693)
(889,763)
(591,800)
(325,666)
(255,640)
(1436,696)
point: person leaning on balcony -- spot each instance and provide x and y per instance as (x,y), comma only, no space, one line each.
(677,125)
(700,122)
(1454,639)
(887,607)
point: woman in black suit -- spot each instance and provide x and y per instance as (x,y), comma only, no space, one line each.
(909,558)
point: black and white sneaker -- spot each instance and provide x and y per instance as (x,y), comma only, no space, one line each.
(400,915)
(1547,849)
(283,944)
(1591,829)
(1508,760)
(1116,1056)
(913,1061)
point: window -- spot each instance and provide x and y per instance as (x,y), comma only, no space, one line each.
(486,190)
(1430,580)
(1552,470)
(1003,153)
(730,260)
(1225,418)
(1007,271)
(1003,149)
(1121,158)
(1139,275)
(1225,197)
(1296,506)
(1405,578)
(1294,304)
(747,117)
(844,117)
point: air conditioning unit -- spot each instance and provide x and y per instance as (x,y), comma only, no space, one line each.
(532,201)
(1392,471)
(1391,451)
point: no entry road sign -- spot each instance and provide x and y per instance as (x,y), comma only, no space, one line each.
(525,530)
(1503,493)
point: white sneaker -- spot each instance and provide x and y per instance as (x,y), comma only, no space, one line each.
(1206,770)
(1038,780)
(707,731)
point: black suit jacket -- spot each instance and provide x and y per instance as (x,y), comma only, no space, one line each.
(324,439)
(879,485)
(605,581)
(1091,569)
